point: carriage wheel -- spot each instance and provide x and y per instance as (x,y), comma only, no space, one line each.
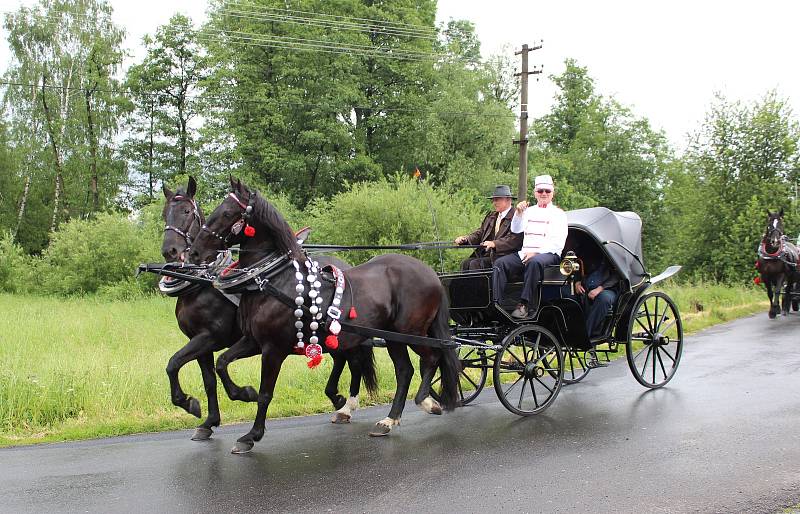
(528,370)
(472,378)
(575,368)
(655,340)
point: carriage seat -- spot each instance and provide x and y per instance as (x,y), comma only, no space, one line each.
(554,285)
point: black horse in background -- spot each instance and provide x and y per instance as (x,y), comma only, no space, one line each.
(390,292)
(777,264)
(208,319)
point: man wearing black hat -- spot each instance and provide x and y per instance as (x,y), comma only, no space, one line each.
(494,235)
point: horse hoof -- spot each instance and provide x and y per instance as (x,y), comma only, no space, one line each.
(380,431)
(340,418)
(242,447)
(202,434)
(194,407)
(339,402)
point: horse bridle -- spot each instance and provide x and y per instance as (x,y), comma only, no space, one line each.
(196,217)
(247,209)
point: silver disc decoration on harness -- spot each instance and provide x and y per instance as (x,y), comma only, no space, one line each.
(312,350)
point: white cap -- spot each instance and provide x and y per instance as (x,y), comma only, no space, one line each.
(545,181)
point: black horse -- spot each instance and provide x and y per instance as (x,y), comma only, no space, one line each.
(390,292)
(777,264)
(208,319)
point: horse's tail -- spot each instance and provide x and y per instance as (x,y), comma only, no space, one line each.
(368,375)
(449,365)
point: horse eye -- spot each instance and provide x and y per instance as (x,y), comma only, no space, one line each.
(186,211)
(226,214)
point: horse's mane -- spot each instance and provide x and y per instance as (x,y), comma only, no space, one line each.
(282,233)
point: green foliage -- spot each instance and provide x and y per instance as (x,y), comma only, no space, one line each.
(13,265)
(743,161)
(606,155)
(86,255)
(394,211)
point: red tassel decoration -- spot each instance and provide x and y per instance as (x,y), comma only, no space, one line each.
(314,361)
(758,264)
(332,342)
(757,281)
(249,231)
(353,314)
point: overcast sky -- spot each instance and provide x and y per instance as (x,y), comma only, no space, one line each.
(665,59)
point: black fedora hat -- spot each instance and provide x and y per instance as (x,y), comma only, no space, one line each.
(502,192)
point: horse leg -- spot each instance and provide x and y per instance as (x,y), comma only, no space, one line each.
(785,291)
(345,411)
(204,431)
(403,372)
(271,362)
(332,387)
(198,345)
(771,302)
(427,369)
(244,347)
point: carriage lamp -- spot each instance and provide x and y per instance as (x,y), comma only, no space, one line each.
(569,264)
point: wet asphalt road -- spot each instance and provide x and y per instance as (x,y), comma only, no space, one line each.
(722,437)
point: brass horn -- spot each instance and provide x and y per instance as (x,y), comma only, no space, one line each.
(569,264)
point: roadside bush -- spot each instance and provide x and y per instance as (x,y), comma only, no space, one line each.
(85,255)
(395,211)
(14,266)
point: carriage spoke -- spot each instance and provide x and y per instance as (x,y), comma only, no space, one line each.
(646,359)
(662,319)
(649,317)
(660,363)
(543,384)
(644,327)
(671,357)
(535,398)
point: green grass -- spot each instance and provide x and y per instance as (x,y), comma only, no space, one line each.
(83,367)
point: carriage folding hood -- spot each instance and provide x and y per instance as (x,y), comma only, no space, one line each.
(604,225)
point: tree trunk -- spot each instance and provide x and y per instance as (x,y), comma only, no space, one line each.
(59,183)
(92,152)
(22,203)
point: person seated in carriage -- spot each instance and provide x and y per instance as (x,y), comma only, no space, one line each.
(494,235)
(545,232)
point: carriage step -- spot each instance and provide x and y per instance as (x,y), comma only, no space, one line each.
(375,342)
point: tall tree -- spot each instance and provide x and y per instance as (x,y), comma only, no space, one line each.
(62,50)
(607,154)
(742,161)
(164,88)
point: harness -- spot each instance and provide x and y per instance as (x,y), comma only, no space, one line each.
(782,253)
(185,234)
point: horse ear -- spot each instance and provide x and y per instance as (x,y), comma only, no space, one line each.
(233,183)
(191,189)
(780,214)
(167,193)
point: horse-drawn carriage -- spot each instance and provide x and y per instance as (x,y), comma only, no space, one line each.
(531,359)
(401,300)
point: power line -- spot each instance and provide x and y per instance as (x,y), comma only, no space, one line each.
(226,101)
(301,20)
(386,23)
(305,44)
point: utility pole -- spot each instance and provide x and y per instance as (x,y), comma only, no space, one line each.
(523,118)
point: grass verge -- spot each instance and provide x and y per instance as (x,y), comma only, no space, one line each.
(85,367)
